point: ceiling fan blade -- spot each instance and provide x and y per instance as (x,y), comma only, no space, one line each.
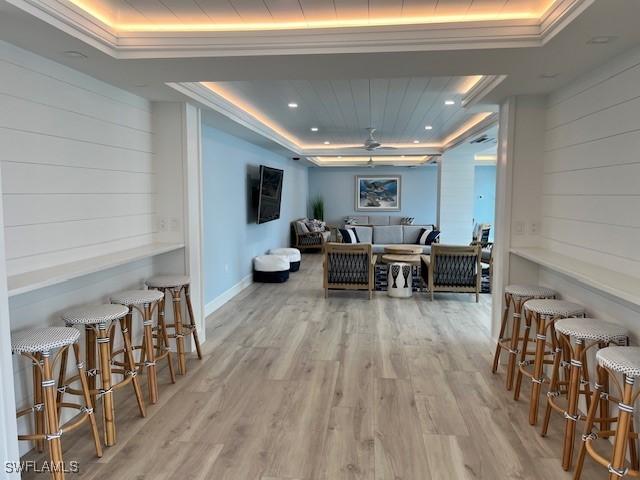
(386,148)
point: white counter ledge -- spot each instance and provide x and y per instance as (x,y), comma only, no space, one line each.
(33,280)
(616,284)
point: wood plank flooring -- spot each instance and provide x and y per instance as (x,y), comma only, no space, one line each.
(296,387)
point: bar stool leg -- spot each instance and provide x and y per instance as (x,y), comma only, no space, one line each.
(163,337)
(616,468)
(87,399)
(108,407)
(554,386)
(523,356)
(571,415)
(536,380)
(503,328)
(38,401)
(90,353)
(595,396)
(51,418)
(194,331)
(149,355)
(131,365)
(513,347)
(64,355)
(177,319)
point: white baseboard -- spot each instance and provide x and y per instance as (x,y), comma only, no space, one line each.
(223,298)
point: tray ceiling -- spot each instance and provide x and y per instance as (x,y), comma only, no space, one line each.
(221,15)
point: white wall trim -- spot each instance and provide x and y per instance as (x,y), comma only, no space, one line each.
(224,297)
(438,36)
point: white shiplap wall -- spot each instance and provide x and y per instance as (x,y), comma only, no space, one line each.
(77,164)
(77,181)
(591,186)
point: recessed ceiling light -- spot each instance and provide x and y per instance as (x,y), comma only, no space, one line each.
(74,54)
(601,39)
(416,141)
(548,76)
(401,156)
(326,142)
(428,127)
(314,129)
(449,102)
(292,105)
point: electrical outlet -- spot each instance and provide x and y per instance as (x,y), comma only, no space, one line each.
(174,224)
(534,228)
(518,228)
(162,224)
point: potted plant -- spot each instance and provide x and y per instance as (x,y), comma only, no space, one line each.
(317,208)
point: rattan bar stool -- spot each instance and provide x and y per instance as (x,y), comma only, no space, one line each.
(146,302)
(613,362)
(542,313)
(175,285)
(516,296)
(100,323)
(587,333)
(37,344)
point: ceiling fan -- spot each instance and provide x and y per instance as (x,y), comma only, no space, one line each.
(371,144)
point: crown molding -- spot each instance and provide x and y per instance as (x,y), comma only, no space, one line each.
(437,36)
(481,89)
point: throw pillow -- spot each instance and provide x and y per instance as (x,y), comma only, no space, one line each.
(316,226)
(427,237)
(302,227)
(349,235)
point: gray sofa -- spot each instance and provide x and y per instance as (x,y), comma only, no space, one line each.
(379,236)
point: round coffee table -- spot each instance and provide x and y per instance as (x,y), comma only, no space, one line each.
(412,259)
(403,249)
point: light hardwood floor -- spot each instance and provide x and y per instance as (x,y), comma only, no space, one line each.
(293,386)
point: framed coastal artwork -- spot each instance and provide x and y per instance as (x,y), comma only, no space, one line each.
(379,193)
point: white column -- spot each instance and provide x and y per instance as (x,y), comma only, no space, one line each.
(8,429)
(179,203)
(456,173)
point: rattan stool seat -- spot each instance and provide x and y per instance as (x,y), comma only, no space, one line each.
(94,314)
(592,329)
(168,281)
(624,360)
(43,339)
(532,291)
(554,308)
(137,297)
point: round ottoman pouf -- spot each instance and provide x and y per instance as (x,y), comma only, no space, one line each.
(270,269)
(293,254)
(400,280)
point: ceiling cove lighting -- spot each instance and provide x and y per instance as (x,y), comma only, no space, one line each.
(327,142)
(93,8)
(292,105)
(314,129)
(416,141)
(449,102)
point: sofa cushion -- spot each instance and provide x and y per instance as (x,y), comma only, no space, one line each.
(391,234)
(365,234)
(411,233)
(379,220)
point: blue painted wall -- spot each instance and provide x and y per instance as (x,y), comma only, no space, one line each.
(485,194)
(231,236)
(336,185)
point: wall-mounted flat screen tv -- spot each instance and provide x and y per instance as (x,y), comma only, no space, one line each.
(270,194)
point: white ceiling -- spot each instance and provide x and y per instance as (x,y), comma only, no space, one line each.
(399,108)
(127,14)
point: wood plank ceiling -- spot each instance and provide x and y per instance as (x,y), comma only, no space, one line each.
(341,110)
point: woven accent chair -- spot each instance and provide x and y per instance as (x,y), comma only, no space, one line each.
(348,267)
(452,269)
(307,240)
